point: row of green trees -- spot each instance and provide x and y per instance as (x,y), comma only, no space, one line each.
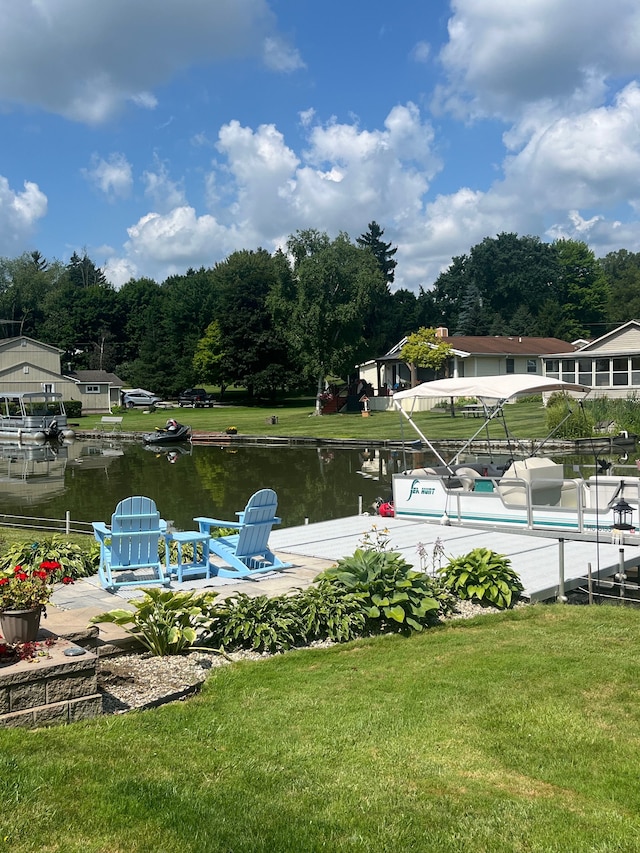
(281,321)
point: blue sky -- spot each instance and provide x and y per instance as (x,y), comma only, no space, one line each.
(159,136)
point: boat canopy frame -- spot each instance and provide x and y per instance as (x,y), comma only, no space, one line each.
(497,389)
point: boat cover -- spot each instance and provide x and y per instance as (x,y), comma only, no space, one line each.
(490,387)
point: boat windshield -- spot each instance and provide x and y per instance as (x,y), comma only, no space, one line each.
(31,405)
(42,407)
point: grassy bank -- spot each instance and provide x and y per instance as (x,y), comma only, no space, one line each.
(517,731)
(525,420)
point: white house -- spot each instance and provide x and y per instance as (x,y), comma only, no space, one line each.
(610,364)
(471,355)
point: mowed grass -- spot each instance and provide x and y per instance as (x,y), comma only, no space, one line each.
(511,732)
(525,420)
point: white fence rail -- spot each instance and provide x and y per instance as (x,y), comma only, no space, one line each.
(52,525)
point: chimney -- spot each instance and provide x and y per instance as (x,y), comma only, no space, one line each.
(442,332)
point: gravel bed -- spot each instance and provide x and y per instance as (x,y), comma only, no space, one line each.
(131,681)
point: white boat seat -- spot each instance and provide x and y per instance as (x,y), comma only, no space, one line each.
(600,490)
(543,477)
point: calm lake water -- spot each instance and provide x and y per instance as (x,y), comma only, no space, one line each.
(88,479)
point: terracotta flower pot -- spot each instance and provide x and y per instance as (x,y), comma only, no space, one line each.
(20,626)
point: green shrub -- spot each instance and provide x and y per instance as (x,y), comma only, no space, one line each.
(76,561)
(165,622)
(327,612)
(484,576)
(73,408)
(566,418)
(393,595)
(257,622)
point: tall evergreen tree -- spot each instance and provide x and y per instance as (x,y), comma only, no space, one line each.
(383,253)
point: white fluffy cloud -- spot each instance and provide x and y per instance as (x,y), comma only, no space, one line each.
(578,161)
(165,193)
(263,191)
(163,245)
(557,78)
(84,59)
(19,213)
(500,57)
(113,176)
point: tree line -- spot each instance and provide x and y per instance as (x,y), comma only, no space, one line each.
(284,321)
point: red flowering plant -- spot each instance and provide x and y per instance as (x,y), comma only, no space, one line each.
(29,587)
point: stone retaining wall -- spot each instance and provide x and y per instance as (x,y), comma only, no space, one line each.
(49,689)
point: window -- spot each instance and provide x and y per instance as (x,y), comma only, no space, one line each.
(511,366)
(620,371)
(48,387)
(552,368)
(532,365)
(25,369)
(93,389)
(568,370)
(584,371)
(602,372)
(635,371)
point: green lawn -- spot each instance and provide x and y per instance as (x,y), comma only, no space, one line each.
(513,732)
(525,420)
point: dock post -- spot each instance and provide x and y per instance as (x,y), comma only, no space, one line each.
(67,522)
(359,504)
(562,598)
(621,576)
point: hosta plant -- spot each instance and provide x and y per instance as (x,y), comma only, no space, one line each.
(75,561)
(257,622)
(483,576)
(328,612)
(164,622)
(394,596)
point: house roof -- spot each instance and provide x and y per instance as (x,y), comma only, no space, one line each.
(4,342)
(96,376)
(507,345)
(498,345)
(614,333)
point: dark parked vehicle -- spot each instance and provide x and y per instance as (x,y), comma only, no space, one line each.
(196,397)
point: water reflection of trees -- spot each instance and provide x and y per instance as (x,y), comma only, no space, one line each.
(314,483)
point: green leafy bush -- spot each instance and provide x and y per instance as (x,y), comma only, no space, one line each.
(393,595)
(327,612)
(76,561)
(484,576)
(577,424)
(73,408)
(165,622)
(257,622)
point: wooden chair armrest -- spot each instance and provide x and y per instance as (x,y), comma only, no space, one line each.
(100,529)
(205,524)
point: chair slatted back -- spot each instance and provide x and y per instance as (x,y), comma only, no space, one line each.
(257,519)
(135,533)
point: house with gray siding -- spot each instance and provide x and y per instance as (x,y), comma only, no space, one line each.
(30,365)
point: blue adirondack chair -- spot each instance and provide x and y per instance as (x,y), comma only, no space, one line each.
(131,544)
(247,552)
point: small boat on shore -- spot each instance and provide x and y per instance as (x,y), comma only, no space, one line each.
(529,493)
(33,417)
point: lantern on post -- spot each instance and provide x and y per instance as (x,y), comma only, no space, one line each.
(622,517)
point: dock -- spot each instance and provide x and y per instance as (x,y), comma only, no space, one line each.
(549,564)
